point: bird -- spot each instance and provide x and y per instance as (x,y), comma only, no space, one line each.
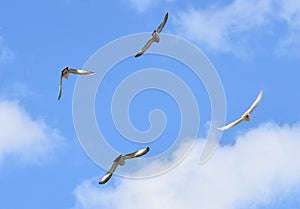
(155,36)
(65,74)
(120,160)
(246,115)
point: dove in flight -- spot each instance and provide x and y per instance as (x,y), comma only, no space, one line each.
(120,160)
(155,36)
(246,115)
(65,74)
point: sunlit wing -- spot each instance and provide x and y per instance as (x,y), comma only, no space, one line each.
(109,174)
(81,72)
(142,51)
(60,88)
(255,103)
(231,124)
(162,24)
(138,153)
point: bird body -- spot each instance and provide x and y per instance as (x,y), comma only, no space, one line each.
(155,36)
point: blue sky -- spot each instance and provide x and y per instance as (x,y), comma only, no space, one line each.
(253,45)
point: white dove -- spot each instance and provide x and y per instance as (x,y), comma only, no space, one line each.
(246,115)
(120,160)
(155,36)
(65,74)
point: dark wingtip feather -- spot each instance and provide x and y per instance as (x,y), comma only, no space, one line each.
(59,96)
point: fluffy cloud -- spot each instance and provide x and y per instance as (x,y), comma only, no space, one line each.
(262,165)
(233,27)
(22,137)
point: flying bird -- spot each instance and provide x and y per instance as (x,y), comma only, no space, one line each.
(65,74)
(155,36)
(246,115)
(120,160)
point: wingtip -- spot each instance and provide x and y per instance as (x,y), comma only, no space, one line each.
(166,16)
(147,149)
(137,55)
(105,178)
(59,96)
(141,152)
(224,128)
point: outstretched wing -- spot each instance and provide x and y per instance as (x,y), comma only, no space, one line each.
(60,88)
(142,51)
(109,173)
(81,72)
(138,153)
(162,24)
(255,103)
(231,124)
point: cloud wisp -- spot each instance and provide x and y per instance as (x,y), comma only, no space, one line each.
(233,28)
(290,14)
(22,137)
(261,166)
(6,54)
(144,5)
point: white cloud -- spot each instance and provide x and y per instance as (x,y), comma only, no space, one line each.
(263,165)
(234,27)
(219,27)
(22,137)
(15,90)
(143,5)
(290,13)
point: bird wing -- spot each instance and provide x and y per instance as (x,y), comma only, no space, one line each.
(60,88)
(81,72)
(109,173)
(148,44)
(138,153)
(255,103)
(231,124)
(162,24)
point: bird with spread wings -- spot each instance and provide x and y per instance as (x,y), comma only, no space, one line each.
(155,36)
(65,74)
(246,115)
(120,160)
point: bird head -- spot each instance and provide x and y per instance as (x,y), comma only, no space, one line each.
(65,72)
(247,117)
